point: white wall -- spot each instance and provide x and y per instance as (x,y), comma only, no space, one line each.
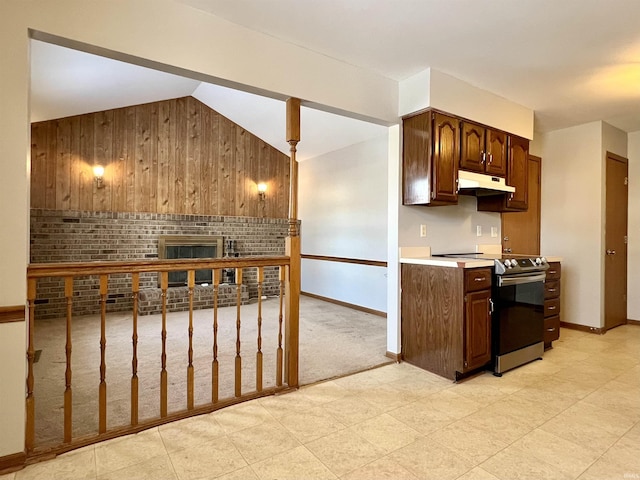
(633,252)
(571,217)
(450,229)
(14,240)
(614,140)
(343,208)
(432,88)
(535,146)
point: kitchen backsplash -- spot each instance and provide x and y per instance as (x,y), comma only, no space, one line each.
(450,229)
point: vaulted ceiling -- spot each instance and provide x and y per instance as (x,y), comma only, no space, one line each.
(66,82)
(571,61)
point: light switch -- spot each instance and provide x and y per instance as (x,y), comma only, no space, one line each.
(494,232)
(479,230)
(423,230)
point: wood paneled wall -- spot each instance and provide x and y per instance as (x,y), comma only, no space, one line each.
(175,156)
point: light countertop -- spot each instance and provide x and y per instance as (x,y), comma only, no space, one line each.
(422,256)
(447,262)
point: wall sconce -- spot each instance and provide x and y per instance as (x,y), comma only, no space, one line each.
(262,190)
(98,175)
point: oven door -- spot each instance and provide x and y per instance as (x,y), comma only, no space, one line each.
(518,317)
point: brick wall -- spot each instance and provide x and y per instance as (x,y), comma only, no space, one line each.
(82,236)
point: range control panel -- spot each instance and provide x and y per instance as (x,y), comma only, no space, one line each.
(507,266)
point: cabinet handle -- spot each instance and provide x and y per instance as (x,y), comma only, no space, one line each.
(511,196)
(484,158)
(552,272)
(480,279)
(551,329)
(490,158)
(552,307)
(552,289)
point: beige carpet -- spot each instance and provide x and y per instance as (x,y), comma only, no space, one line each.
(334,341)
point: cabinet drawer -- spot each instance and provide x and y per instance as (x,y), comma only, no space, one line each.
(552,307)
(477,279)
(551,329)
(552,289)
(554,271)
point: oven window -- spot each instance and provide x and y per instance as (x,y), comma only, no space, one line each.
(518,317)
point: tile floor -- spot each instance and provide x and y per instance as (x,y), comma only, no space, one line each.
(574,415)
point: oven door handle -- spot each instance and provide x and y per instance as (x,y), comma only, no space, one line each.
(505,281)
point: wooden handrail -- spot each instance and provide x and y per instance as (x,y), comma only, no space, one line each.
(42,270)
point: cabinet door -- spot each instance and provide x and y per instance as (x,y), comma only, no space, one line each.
(472,154)
(477,335)
(496,153)
(518,173)
(416,132)
(446,155)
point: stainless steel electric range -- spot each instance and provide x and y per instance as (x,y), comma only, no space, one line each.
(518,309)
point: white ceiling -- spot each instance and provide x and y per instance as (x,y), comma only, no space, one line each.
(571,61)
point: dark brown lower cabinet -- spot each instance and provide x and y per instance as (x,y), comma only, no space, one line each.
(552,304)
(445,318)
(477,347)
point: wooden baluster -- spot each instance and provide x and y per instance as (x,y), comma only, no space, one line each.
(164,283)
(68,395)
(191,280)
(30,433)
(102,407)
(214,364)
(135,288)
(259,353)
(279,351)
(238,389)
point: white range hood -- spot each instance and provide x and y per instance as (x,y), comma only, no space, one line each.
(482,184)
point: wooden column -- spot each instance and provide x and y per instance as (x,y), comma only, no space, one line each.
(292,249)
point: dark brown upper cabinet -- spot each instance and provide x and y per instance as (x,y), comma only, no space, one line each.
(483,150)
(517,176)
(430,153)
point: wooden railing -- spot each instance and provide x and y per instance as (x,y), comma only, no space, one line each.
(286,375)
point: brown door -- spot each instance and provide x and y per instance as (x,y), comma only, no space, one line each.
(521,230)
(615,271)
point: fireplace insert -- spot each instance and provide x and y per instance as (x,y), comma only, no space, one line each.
(189,246)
